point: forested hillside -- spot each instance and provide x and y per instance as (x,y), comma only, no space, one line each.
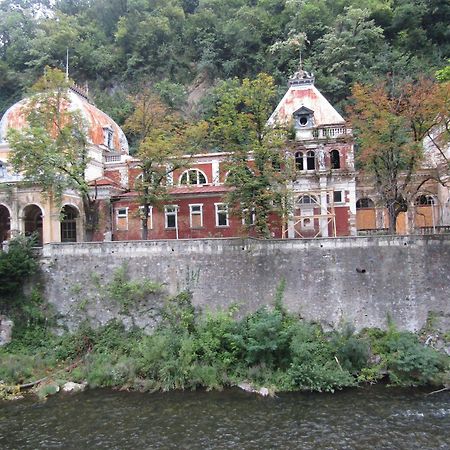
(183,47)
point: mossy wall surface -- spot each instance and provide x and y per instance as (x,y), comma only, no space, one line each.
(362,280)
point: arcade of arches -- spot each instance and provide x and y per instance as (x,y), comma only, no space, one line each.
(58,225)
(424,213)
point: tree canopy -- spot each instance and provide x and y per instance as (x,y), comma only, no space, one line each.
(115,44)
(391,122)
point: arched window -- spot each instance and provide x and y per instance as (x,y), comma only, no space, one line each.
(299,161)
(306,200)
(32,217)
(364,203)
(193,176)
(335,159)
(69,224)
(424,200)
(5,223)
(310,160)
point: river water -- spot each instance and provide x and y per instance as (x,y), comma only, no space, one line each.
(369,418)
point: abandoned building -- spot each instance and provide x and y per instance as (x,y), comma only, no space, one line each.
(330,198)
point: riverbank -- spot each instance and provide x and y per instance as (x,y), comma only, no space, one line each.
(190,350)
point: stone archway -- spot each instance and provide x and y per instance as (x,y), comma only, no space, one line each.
(32,218)
(5,224)
(69,221)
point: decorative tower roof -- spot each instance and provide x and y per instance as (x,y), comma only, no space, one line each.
(303,94)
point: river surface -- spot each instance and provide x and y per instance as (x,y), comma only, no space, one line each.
(369,418)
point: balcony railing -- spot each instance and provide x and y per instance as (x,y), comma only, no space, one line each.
(110,158)
(331,132)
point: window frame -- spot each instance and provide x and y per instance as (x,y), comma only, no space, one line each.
(168,213)
(188,178)
(334,161)
(220,208)
(341,200)
(195,213)
(149,216)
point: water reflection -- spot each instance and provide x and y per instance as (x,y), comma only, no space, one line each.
(375,418)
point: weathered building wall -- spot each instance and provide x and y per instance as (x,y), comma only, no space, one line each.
(356,279)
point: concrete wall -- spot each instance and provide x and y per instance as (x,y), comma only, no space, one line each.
(356,279)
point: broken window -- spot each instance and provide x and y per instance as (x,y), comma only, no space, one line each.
(299,161)
(335,159)
(310,161)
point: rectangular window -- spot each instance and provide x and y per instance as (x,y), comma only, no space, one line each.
(122,219)
(196,216)
(149,215)
(171,216)
(122,213)
(248,219)
(337,196)
(221,215)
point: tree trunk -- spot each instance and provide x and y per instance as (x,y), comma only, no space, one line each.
(144,220)
(393,214)
(91,218)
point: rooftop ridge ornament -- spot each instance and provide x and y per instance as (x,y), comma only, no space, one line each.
(301,77)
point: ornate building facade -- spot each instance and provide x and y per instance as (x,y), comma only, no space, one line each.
(329,197)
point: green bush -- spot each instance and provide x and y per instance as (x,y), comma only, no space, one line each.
(16,266)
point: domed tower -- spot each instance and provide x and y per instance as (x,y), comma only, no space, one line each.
(26,209)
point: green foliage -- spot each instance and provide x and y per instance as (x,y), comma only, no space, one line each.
(16,266)
(258,170)
(268,348)
(129,293)
(179,312)
(114,43)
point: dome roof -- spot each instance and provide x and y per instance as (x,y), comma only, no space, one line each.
(101,129)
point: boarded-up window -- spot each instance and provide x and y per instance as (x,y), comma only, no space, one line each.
(196,216)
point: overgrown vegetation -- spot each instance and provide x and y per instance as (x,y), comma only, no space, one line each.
(114,44)
(189,350)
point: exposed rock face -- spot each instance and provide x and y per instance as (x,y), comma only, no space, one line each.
(6,327)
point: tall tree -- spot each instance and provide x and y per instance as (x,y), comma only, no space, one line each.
(164,144)
(51,150)
(258,168)
(391,123)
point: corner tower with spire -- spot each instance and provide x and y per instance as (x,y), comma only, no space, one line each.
(324,190)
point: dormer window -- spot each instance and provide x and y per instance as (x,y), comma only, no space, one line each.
(304,117)
(108,137)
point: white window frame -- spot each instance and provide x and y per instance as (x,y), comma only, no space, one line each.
(149,215)
(220,208)
(196,213)
(342,200)
(170,210)
(122,215)
(188,174)
(252,217)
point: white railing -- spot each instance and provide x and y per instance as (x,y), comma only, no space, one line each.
(112,158)
(331,132)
